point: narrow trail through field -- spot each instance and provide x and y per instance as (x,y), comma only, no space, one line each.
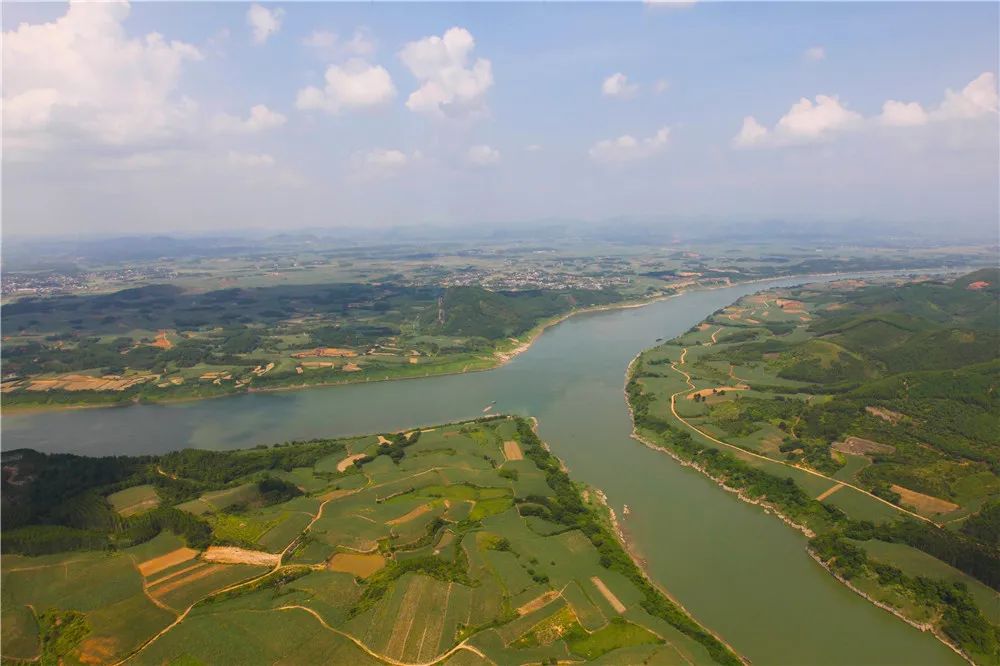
(278,566)
(464,645)
(673,410)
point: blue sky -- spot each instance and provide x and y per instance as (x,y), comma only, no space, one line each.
(523,111)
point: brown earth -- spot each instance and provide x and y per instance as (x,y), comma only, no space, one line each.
(233,555)
(150,567)
(608,594)
(921,502)
(162,342)
(537,602)
(162,590)
(859,447)
(357,564)
(326,351)
(348,461)
(885,414)
(512,451)
(410,515)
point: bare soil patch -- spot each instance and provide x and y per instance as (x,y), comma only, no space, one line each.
(608,594)
(859,447)
(203,572)
(923,503)
(351,367)
(512,451)
(326,351)
(75,382)
(537,602)
(358,564)
(411,515)
(884,414)
(98,650)
(829,491)
(150,567)
(348,461)
(718,389)
(232,555)
(162,341)
(177,573)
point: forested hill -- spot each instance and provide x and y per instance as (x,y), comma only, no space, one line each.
(476,312)
(853,395)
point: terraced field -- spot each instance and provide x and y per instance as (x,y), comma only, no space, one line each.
(433,546)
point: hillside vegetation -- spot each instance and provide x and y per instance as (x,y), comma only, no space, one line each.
(465,541)
(866,412)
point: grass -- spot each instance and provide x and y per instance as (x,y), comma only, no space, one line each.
(134,500)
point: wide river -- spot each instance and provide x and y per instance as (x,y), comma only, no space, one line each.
(741,572)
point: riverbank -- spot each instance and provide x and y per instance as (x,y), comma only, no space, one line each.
(500,356)
(770,507)
(640,564)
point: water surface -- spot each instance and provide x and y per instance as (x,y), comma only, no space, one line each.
(741,572)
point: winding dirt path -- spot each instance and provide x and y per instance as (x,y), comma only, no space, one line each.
(464,645)
(673,410)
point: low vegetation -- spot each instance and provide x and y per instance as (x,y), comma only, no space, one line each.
(427,541)
(853,396)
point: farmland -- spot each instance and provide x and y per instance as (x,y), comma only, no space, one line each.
(863,413)
(430,545)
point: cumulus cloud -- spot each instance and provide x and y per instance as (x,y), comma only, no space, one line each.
(751,133)
(264,22)
(814,54)
(977,99)
(449,83)
(808,122)
(902,114)
(386,158)
(81,77)
(617,85)
(327,44)
(627,148)
(356,84)
(261,118)
(482,155)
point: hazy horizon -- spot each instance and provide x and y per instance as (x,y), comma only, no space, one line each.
(202,118)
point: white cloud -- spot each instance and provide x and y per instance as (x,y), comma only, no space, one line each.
(978,98)
(449,84)
(327,44)
(805,122)
(356,84)
(482,155)
(903,114)
(808,122)
(250,160)
(532,148)
(261,118)
(661,86)
(81,77)
(617,85)
(750,134)
(627,148)
(814,54)
(264,22)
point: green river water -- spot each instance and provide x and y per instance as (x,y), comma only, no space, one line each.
(739,571)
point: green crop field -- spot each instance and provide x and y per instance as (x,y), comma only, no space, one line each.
(864,412)
(428,548)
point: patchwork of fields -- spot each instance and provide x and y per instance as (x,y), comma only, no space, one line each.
(862,412)
(462,544)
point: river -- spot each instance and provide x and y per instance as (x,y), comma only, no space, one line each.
(741,572)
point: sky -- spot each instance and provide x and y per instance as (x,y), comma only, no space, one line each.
(205,117)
